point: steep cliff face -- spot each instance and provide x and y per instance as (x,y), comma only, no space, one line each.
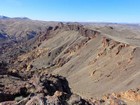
(93,62)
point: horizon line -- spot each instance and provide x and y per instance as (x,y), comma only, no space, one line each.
(72,21)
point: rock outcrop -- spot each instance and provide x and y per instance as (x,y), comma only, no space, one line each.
(43,90)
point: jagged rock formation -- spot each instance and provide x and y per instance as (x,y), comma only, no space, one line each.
(42,90)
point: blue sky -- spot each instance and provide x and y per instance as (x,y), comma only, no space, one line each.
(74,10)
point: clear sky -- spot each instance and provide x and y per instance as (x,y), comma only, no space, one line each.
(74,10)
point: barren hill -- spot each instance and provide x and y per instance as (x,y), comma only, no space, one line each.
(97,59)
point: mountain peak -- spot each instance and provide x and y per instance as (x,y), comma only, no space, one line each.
(3,17)
(6,17)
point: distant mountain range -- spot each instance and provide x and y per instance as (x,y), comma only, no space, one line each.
(21,27)
(6,17)
(3,17)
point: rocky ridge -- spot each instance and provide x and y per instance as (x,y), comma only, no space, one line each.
(57,50)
